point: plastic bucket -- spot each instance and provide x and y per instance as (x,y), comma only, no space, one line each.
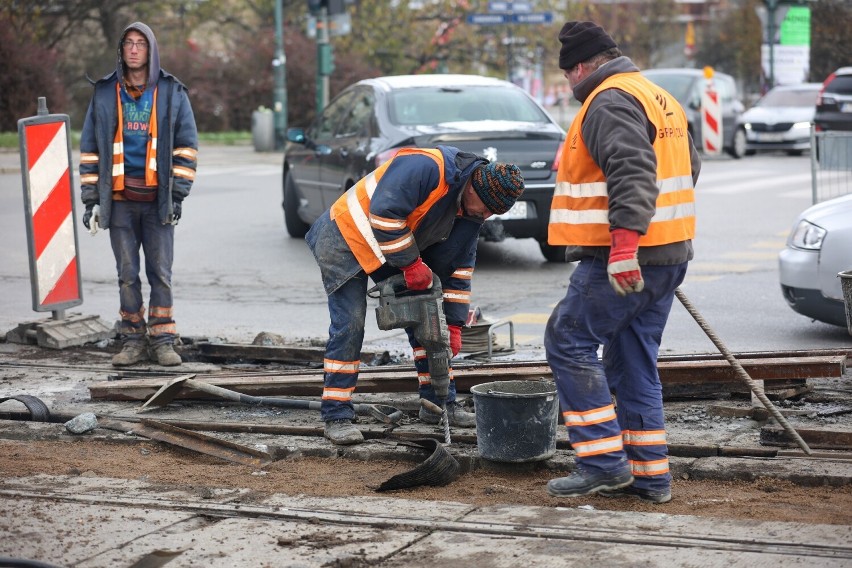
(516,420)
(846,288)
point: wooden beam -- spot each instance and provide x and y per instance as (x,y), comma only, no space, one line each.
(823,438)
(401,379)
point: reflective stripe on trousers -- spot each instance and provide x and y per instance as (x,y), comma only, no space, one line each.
(630,329)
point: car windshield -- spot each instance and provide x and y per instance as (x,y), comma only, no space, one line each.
(431,106)
(678,85)
(790,98)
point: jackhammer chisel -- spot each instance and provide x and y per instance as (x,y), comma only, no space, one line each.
(422,312)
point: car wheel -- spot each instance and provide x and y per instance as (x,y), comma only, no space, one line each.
(296,228)
(738,145)
(552,253)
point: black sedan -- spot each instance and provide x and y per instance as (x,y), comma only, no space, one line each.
(371,120)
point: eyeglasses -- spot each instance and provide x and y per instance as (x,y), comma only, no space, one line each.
(140,45)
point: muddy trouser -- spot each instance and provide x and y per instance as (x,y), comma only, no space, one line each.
(607,438)
(135,224)
(347,308)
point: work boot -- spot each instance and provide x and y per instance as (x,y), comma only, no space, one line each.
(131,353)
(342,432)
(585,483)
(166,355)
(458,417)
(656,497)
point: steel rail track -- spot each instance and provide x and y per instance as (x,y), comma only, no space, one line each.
(576,531)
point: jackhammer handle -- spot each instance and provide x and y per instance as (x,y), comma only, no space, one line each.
(396,285)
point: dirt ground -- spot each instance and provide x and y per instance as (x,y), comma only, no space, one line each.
(763,500)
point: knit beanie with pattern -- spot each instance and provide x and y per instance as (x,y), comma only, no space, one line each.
(498,185)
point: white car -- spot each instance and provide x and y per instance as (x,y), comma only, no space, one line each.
(781,120)
(818,248)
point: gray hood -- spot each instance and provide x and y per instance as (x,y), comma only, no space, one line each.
(153,53)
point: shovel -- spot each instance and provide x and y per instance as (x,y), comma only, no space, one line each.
(167,393)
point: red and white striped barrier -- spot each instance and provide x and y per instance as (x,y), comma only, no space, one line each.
(51,232)
(711,117)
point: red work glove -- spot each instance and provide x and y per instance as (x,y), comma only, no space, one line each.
(418,276)
(455,339)
(623,268)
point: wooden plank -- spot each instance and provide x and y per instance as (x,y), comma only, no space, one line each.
(401,379)
(823,438)
(277,353)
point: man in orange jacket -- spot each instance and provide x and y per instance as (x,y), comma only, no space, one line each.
(418,212)
(624,206)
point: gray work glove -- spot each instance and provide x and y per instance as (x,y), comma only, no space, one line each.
(176,211)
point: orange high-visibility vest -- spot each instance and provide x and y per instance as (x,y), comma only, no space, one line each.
(579,211)
(118,146)
(351,211)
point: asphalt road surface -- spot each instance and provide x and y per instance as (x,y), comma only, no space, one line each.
(237,273)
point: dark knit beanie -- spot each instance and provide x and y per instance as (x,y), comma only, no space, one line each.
(580,41)
(498,185)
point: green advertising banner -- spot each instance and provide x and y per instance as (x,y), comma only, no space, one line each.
(796,27)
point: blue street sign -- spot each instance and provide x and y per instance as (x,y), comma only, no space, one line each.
(516,7)
(539,18)
(491,19)
(487,19)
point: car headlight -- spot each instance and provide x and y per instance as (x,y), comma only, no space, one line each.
(801,126)
(807,236)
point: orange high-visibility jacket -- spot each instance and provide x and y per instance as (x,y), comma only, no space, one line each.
(579,213)
(351,212)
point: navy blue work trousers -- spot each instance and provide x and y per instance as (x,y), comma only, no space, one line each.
(135,225)
(611,437)
(347,308)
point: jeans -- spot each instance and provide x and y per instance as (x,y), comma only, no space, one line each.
(347,307)
(136,224)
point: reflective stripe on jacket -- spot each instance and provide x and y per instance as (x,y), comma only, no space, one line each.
(351,212)
(579,212)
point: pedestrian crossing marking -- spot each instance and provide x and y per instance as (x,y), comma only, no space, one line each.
(529,318)
(702,277)
(775,245)
(753,255)
(720,267)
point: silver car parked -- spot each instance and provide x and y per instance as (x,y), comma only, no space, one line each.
(781,120)
(818,248)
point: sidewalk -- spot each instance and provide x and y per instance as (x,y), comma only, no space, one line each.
(208,153)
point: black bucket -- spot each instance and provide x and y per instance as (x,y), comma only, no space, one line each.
(516,420)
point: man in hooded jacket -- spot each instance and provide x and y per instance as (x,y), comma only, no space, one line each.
(137,163)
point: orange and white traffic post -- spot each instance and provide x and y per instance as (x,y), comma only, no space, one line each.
(55,278)
(711,116)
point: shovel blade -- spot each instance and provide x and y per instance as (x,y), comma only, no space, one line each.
(166,394)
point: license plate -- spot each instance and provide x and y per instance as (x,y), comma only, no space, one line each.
(846,107)
(518,211)
(770,136)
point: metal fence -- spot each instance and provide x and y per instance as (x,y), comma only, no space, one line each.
(831,164)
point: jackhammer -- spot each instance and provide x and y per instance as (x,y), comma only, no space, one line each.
(423,312)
